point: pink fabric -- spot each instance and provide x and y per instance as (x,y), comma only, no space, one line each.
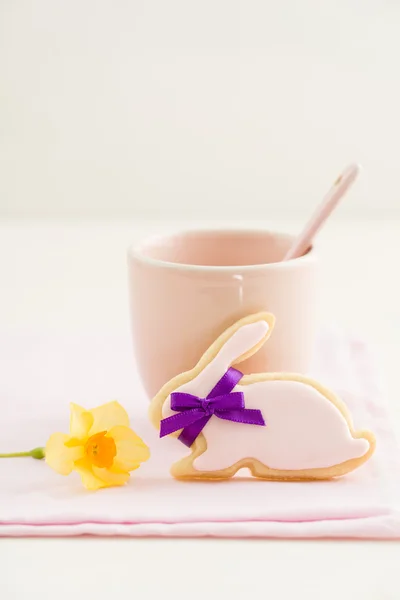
(40,375)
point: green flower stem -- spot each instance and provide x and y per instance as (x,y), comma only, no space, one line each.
(37,453)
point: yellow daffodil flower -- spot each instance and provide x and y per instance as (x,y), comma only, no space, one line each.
(100,446)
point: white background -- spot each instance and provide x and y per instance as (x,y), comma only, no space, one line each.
(168,109)
(155,108)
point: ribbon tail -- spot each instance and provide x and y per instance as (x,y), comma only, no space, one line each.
(179,421)
(190,433)
(251,416)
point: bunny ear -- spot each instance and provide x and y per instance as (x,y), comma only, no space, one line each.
(236,344)
(243,339)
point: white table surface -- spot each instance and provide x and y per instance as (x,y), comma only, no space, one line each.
(72,277)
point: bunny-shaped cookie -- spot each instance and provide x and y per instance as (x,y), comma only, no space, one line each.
(288,426)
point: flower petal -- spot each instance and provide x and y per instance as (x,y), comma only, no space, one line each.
(60,457)
(131,449)
(107,416)
(89,480)
(80,422)
(110,478)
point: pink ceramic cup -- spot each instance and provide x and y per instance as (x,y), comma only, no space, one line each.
(187,288)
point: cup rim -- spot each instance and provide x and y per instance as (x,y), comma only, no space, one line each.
(135,251)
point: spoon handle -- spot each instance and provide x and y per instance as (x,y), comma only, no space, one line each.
(304,240)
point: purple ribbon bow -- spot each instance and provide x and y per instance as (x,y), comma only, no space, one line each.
(193,413)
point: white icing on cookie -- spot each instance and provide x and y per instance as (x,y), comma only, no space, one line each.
(304,429)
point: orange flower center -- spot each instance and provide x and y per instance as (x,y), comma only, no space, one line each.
(101,450)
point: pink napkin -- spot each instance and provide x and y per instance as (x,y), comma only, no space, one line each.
(41,374)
